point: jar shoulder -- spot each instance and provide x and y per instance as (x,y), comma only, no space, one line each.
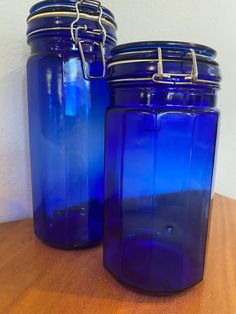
(163,109)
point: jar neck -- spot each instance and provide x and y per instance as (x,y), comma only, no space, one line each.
(56,44)
(159,96)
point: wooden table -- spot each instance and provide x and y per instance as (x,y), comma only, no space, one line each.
(37,279)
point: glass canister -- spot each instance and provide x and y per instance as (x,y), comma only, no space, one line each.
(161,138)
(67,91)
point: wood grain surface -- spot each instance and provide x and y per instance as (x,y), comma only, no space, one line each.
(37,279)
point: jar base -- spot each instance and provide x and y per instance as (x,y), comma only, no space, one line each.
(148,292)
(72,247)
(75,228)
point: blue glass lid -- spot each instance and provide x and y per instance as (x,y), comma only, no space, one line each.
(164,62)
(58,16)
(145,46)
(88,6)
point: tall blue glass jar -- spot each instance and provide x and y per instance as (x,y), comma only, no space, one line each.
(67,91)
(161,136)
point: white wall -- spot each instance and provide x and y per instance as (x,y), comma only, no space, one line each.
(211,22)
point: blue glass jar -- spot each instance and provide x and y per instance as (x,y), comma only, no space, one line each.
(67,91)
(161,135)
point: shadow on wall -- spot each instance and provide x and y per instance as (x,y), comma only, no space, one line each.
(15,183)
(12,210)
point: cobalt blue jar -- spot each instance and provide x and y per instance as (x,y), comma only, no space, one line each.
(161,138)
(67,91)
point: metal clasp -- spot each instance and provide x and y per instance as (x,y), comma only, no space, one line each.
(160,75)
(79,42)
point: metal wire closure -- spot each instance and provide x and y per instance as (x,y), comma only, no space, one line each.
(160,75)
(102,31)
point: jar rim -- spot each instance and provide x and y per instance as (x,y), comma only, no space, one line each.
(66,3)
(137,47)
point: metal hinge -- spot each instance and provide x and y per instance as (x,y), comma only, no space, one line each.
(101,31)
(160,75)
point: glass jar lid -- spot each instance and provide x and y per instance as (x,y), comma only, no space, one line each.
(84,16)
(65,6)
(164,62)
